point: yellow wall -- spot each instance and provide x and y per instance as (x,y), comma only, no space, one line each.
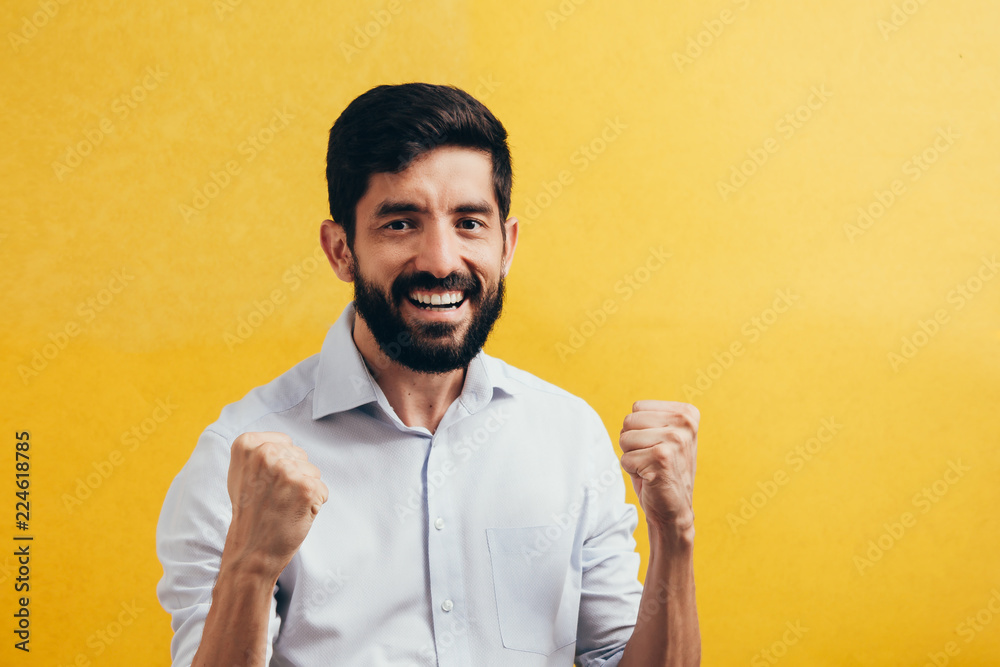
(842,104)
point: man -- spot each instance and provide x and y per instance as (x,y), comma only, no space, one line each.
(402,498)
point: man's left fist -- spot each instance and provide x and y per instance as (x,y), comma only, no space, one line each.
(659,442)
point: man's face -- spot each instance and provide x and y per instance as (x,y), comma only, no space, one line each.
(429,259)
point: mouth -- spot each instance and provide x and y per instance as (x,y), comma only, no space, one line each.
(436,301)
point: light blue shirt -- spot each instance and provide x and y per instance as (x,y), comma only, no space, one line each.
(503,538)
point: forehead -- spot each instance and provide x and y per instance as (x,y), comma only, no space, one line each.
(442,178)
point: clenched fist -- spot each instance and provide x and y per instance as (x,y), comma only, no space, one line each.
(659,441)
(276,494)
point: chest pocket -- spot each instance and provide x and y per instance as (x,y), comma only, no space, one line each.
(536,578)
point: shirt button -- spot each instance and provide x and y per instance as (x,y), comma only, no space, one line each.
(447,605)
(439,524)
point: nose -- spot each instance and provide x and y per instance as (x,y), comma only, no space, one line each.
(440,250)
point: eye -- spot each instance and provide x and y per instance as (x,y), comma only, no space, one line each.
(470,224)
(397,225)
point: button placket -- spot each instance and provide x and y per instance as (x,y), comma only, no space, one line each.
(444,556)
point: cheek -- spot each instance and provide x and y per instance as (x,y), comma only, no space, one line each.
(490,280)
(383,270)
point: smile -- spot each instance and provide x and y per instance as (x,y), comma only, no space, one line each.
(436,301)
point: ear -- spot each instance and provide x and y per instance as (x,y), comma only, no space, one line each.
(333,238)
(510,244)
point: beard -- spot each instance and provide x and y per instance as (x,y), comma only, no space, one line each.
(428,347)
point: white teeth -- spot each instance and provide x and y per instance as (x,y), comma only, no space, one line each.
(436,299)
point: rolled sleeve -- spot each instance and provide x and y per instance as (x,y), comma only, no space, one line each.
(610,593)
(190,535)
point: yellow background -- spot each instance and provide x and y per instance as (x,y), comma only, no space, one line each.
(556,74)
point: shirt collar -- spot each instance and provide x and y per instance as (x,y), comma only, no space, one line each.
(343,381)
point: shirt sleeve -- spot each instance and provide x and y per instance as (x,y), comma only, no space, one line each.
(610,593)
(190,535)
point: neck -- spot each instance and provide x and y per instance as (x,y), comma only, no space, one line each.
(419,399)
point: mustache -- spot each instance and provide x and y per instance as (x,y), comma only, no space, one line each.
(468,284)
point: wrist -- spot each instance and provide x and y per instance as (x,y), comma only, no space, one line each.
(248,569)
(678,535)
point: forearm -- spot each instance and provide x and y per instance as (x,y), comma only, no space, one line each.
(235,632)
(666,632)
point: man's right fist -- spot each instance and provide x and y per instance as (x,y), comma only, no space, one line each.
(276,494)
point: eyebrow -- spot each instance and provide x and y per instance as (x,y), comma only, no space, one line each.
(388,208)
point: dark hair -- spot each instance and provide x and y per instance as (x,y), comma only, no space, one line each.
(386,128)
